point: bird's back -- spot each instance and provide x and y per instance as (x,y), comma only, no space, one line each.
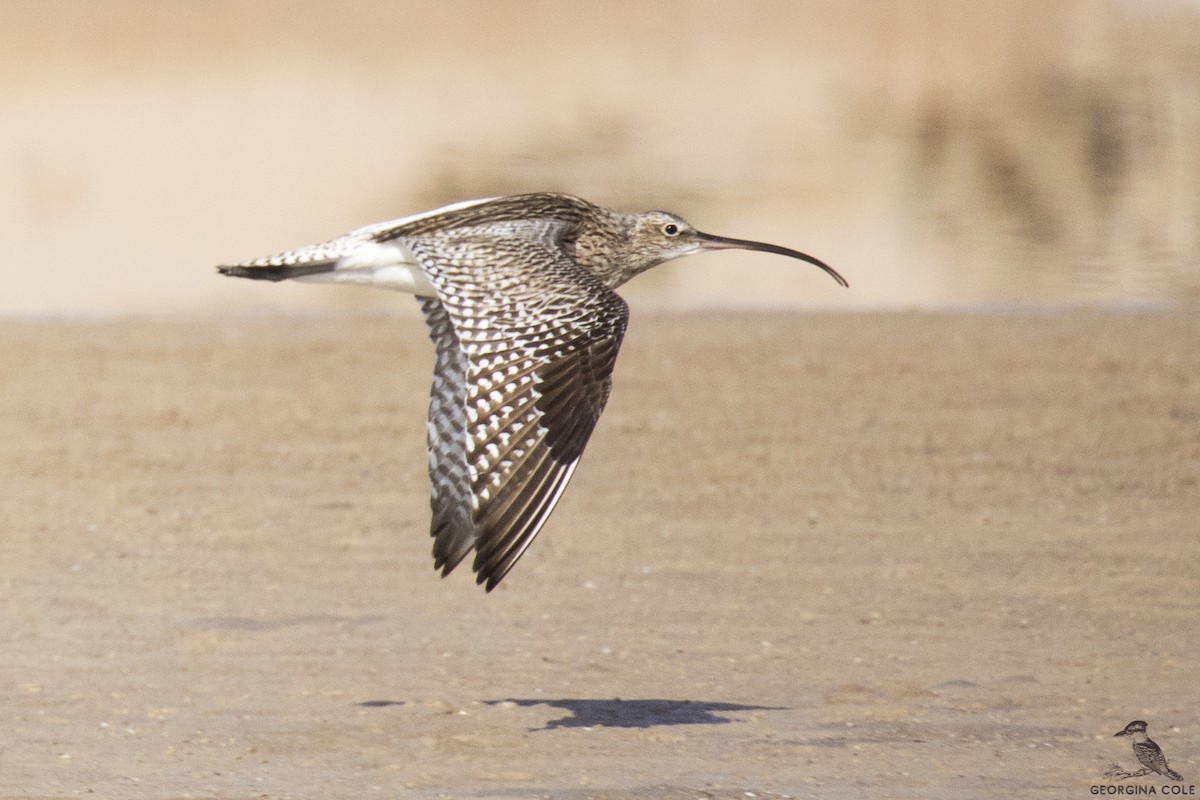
(540,205)
(1151,756)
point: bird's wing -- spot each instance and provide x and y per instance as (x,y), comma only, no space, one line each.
(1151,755)
(538,335)
(452,529)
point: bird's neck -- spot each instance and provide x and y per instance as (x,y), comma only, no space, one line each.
(603,246)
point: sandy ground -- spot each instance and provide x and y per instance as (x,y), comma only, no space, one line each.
(824,555)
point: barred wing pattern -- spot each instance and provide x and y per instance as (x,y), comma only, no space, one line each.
(538,335)
(1151,756)
(453,529)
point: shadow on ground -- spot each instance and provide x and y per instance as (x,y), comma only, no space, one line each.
(617,713)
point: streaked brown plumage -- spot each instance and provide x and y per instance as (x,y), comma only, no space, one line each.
(518,296)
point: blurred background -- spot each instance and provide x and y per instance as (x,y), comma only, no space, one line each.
(937,153)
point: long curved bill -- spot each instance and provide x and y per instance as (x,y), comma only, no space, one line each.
(711,242)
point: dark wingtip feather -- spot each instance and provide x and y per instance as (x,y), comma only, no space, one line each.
(490,578)
(447,563)
(448,550)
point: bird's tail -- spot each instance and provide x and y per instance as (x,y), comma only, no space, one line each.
(1172,774)
(277,272)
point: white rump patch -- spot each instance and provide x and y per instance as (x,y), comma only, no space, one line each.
(383,266)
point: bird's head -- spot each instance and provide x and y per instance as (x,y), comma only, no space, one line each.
(1137,726)
(657,236)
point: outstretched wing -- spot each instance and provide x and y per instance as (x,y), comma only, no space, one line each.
(538,336)
(453,529)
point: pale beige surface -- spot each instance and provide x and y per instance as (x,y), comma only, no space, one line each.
(951,152)
(816,555)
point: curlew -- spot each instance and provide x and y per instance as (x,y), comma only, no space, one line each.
(518,294)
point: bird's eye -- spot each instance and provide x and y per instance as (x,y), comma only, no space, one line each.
(671,229)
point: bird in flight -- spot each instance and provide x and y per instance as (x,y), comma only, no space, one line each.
(518,295)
